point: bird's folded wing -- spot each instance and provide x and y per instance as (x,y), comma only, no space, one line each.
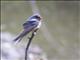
(30,24)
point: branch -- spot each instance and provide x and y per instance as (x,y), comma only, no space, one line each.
(27,47)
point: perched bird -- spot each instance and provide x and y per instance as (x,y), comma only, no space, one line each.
(31,25)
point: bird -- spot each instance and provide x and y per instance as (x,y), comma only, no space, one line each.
(32,24)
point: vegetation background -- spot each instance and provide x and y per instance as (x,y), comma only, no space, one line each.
(62,19)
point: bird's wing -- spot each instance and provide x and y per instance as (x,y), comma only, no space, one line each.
(30,24)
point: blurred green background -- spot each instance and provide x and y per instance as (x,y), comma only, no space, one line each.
(61,19)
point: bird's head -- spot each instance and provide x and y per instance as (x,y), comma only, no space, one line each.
(38,17)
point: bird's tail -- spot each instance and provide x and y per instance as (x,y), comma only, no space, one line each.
(20,36)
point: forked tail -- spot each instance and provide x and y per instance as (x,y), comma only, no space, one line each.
(20,36)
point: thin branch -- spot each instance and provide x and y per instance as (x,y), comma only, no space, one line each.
(27,47)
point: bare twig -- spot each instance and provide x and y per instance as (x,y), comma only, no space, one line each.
(27,47)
